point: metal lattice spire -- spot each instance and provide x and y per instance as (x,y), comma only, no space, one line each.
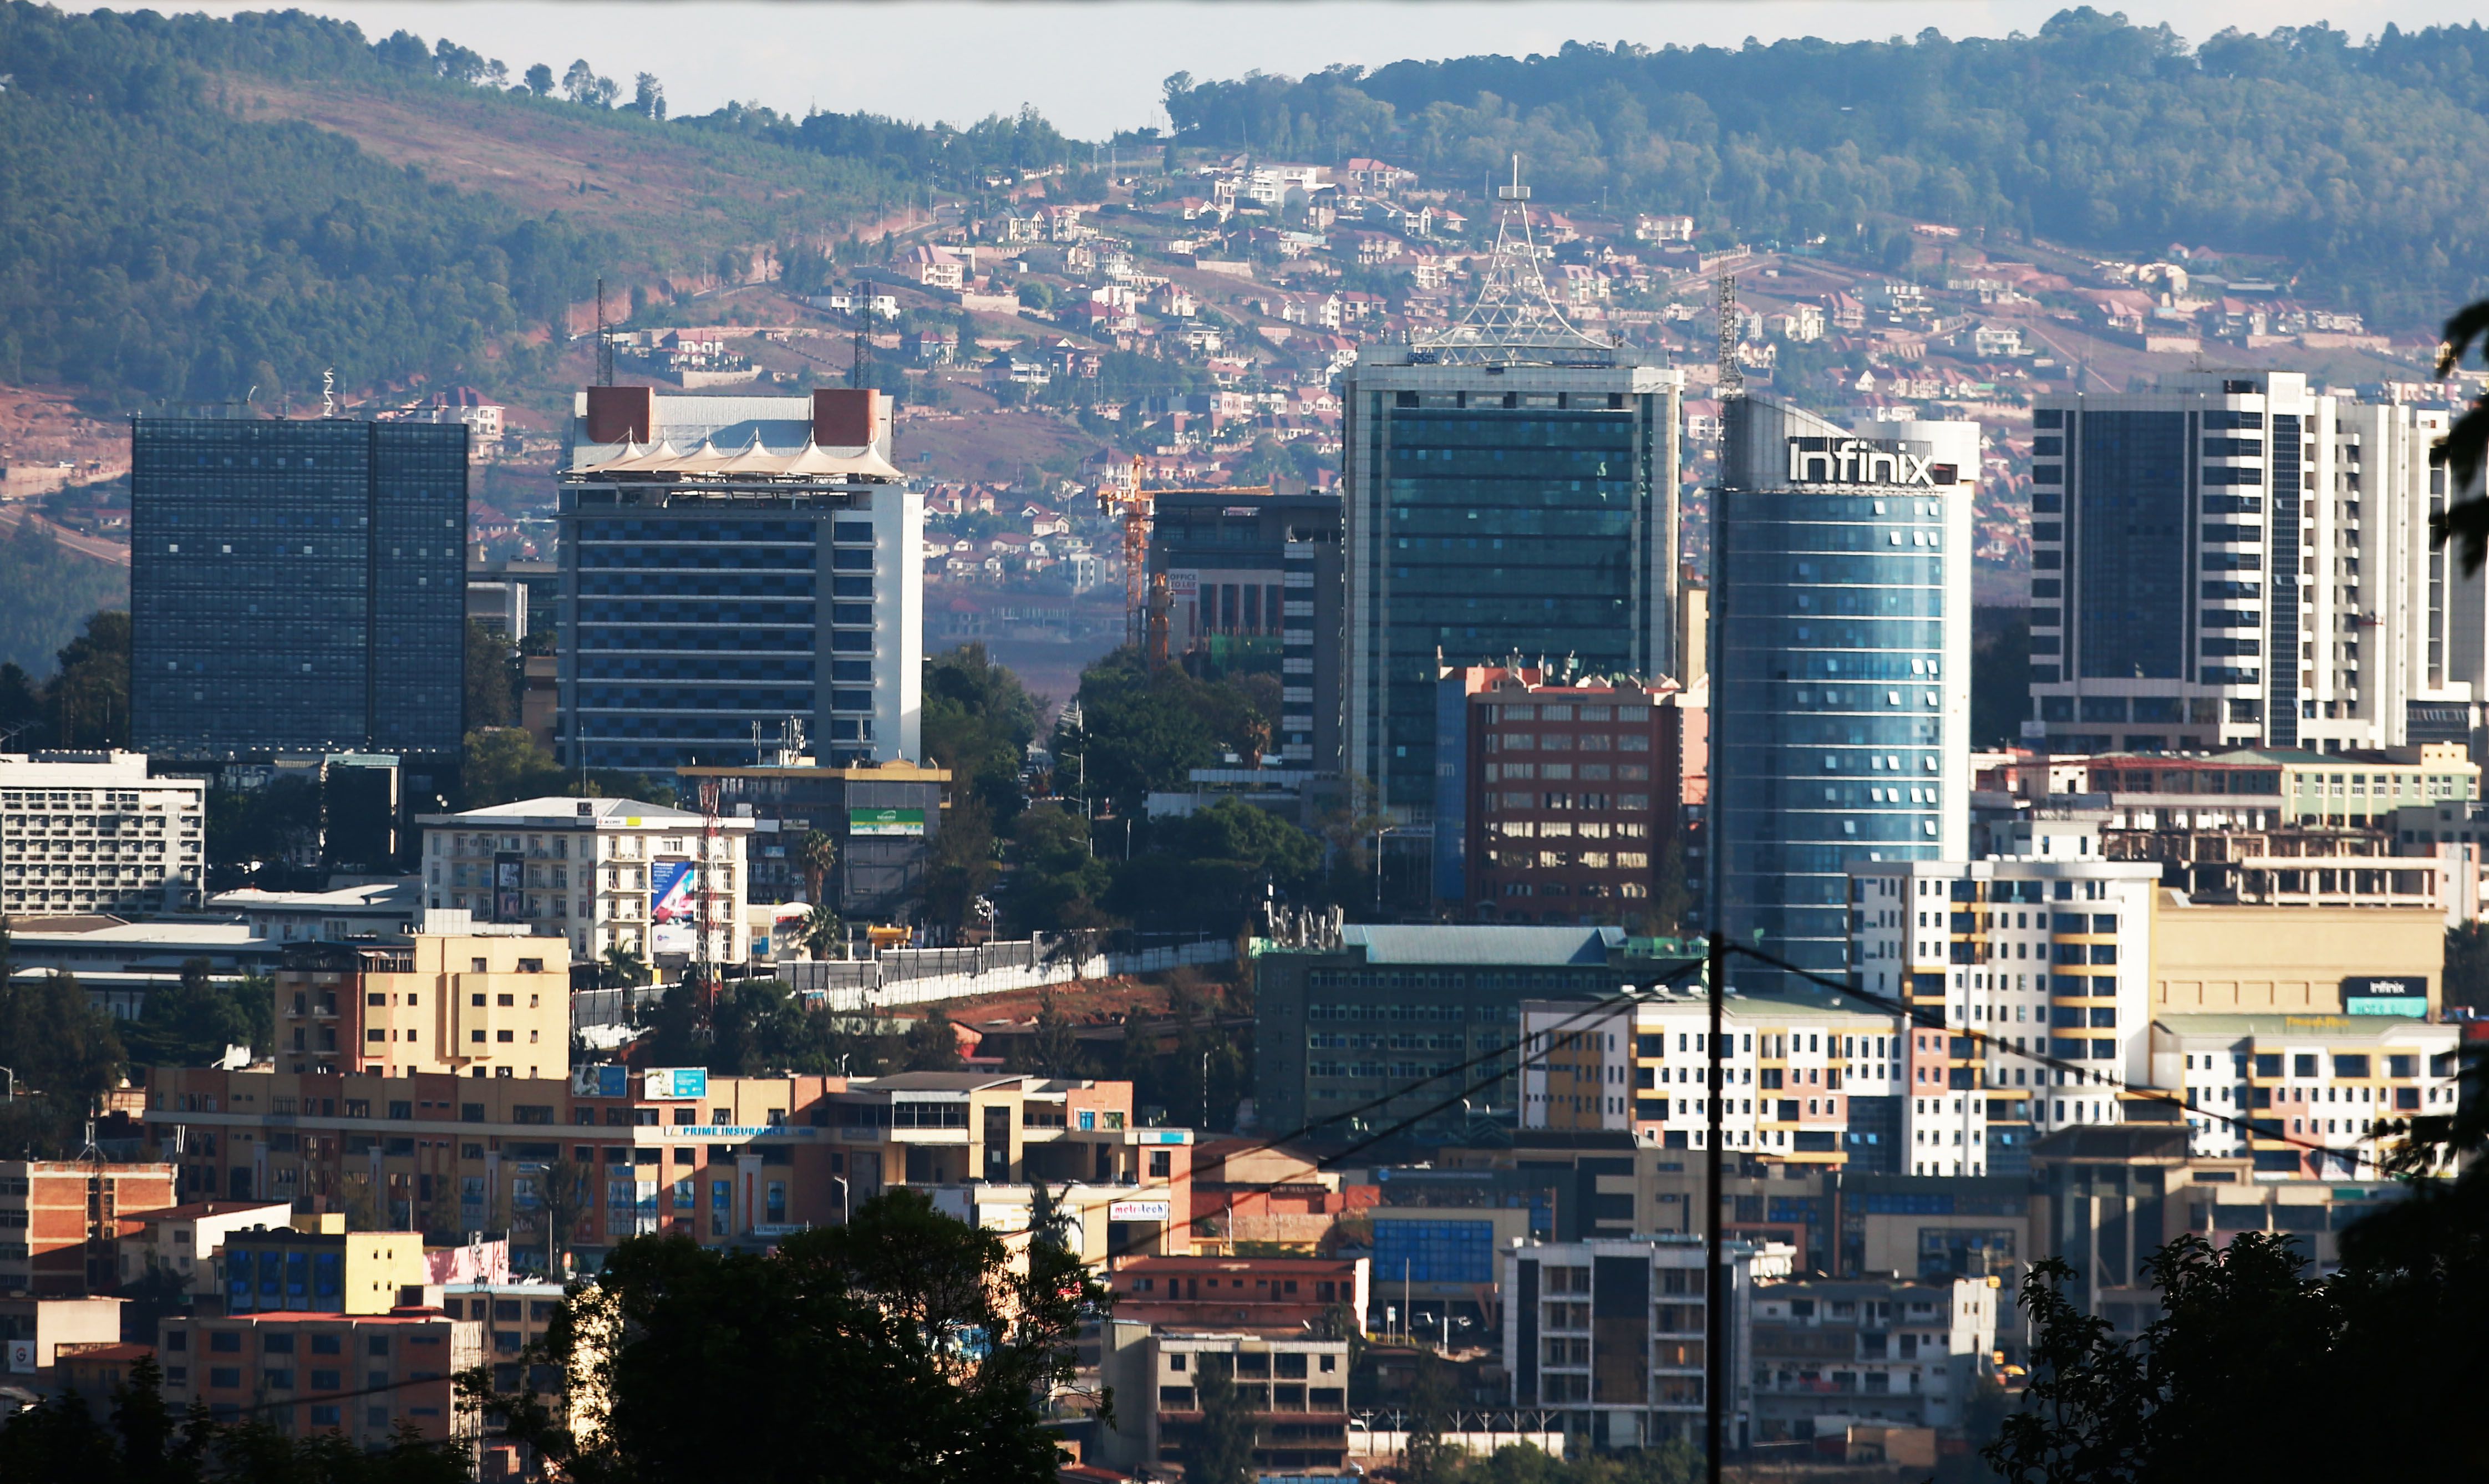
(1514,315)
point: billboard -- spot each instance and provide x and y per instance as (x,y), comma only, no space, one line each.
(2407,994)
(1140,1210)
(671,908)
(675,1082)
(600,1082)
(886,822)
(509,887)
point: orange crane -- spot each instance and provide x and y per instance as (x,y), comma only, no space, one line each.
(1147,603)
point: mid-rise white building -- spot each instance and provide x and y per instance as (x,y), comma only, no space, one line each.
(1811,1080)
(2001,961)
(604,874)
(2236,561)
(2313,1096)
(89,832)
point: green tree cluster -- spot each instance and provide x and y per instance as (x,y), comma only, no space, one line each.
(191,1021)
(2247,1332)
(47,594)
(65,1053)
(2357,159)
(135,1435)
(805,1355)
(86,701)
(1140,731)
(979,720)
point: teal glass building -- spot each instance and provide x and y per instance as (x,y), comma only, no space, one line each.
(1839,667)
(1526,507)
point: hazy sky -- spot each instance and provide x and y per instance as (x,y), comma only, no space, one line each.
(1097,67)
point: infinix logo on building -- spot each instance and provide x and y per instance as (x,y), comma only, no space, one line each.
(1864,461)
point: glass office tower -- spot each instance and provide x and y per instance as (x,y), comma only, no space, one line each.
(1839,667)
(1526,507)
(743,577)
(296,586)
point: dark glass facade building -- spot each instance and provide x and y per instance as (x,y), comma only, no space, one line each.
(740,577)
(1253,586)
(1840,668)
(1491,511)
(296,586)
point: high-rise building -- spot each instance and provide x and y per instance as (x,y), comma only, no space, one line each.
(1508,487)
(1840,668)
(296,586)
(1253,585)
(2235,561)
(738,574)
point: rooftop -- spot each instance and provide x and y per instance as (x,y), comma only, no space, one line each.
(569,811)
(1483,944)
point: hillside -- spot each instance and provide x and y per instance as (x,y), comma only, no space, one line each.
(2360,164)
(47,591)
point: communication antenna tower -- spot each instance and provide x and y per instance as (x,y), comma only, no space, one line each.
(864,334)
(328,393)
(1732,373)
(712,835)
(604,340)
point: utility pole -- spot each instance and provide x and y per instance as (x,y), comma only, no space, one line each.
(1715,1318)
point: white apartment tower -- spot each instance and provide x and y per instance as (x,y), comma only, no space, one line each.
(2235,561)
(90,832)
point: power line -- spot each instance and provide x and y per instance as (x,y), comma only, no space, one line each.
(1933,1018)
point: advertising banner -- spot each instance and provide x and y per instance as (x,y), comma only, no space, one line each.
(671,908)
(675,1082)
(886,822)
(509,887)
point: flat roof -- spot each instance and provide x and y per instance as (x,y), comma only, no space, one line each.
(1483,944)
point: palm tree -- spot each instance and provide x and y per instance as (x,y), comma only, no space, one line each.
(816,854)
(625,968)
(822,930)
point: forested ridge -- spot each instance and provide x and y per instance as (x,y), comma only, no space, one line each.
(2363,162)
(156,244)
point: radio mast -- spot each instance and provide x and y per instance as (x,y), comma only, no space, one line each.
(1732,373)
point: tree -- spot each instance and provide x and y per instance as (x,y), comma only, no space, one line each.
(803,1355)
(1053,1049)
(649,97)
(504,764)
(492,697)
(191,1021)
(1220,1449)
(1058,879)
(61,1441)
(817,855)
(623,968)
(823,930)
(89,698)
(2467,965)
(930,1044)
(1426,1458)
(539,80)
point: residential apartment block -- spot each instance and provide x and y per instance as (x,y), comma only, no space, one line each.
(460,1003)
(1295,1389)
(90,833)
(737,570)
(1892,1350)
(716,1159)
(360,1376)
(2235,561)
(1610,1335)
(601,873)
(2305,1094)
(883,817)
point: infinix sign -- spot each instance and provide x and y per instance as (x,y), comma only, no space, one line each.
(1864,461)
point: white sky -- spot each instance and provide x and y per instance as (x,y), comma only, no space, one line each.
(1092,68)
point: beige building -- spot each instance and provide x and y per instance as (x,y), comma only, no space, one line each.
(602,873)
(2215,960)
(183,1239)
(91,832)
(468,1004)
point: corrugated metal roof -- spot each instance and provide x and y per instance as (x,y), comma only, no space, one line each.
(1499,944)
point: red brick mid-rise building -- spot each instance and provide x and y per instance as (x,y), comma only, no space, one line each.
(1278,1295)
(62,1221)
(358,1375)
(1573,802)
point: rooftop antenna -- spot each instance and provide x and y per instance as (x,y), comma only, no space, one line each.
(603,341)
(328,393)
(1732,375)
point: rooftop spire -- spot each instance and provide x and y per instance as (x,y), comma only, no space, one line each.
(1514,315)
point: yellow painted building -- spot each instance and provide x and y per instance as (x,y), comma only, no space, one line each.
(469,1004)
(2221,959)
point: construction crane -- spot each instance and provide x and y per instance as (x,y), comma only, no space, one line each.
(1147,602)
